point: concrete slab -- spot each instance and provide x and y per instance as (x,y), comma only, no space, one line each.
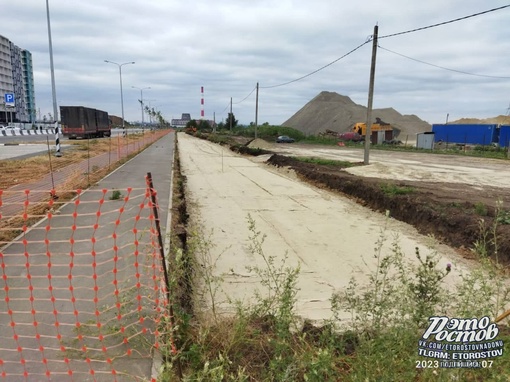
(331,238)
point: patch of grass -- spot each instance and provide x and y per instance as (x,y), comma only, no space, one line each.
(116,195)
(393,189)
(316,140)
(327,162)
(267,341)
(481,209)
(269,132)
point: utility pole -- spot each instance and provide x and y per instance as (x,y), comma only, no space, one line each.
(231,116)
(368,132)
(256,110)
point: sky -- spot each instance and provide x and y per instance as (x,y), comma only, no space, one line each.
(452,71)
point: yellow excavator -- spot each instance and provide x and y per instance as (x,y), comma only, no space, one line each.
(379,125)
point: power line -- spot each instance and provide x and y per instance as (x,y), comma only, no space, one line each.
(442,67)
(446,22)
(226,107)
(370,38)
(318,70)
(245,98)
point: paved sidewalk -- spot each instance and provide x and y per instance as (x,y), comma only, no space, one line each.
(330,237)
(79,306)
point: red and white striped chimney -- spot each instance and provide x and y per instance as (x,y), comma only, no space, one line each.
(202,103)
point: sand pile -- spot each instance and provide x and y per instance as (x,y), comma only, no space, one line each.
(260,144)
(332,111)
(499,120)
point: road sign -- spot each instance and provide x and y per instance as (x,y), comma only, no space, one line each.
(9,99)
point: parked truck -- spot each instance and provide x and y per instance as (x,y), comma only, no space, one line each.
(84,122)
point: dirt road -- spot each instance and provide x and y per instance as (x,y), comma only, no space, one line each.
(479,172)
(329,236)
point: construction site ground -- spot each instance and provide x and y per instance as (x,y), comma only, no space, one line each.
(449,198)
(328,220)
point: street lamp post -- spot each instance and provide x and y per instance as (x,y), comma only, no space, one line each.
(121,95)
(141,99)
(53,91)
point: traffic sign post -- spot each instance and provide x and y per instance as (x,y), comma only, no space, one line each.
(10,100)
(9,103)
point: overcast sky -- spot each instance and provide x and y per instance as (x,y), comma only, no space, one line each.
(227,46)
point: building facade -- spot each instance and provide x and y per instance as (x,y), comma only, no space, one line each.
(28,81)
(17,78)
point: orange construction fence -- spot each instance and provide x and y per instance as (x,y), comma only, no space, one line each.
(83,291)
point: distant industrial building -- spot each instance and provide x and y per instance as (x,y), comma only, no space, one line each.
(17,79)
(182,122)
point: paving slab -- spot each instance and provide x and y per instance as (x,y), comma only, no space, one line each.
(330,237)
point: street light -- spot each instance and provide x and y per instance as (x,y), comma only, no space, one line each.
(53,91)
(121,96)
(52,70)
(141,98)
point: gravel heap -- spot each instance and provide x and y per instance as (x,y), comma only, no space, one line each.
(336,112)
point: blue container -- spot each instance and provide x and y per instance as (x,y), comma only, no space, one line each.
(473,134)
(504,135)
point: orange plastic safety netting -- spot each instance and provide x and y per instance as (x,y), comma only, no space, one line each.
(83,293)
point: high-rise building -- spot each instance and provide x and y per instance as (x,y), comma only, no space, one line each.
(17,78)
(28,80)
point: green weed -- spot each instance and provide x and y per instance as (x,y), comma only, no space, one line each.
(481,209)
(265,340)
(327,162)
(116,195)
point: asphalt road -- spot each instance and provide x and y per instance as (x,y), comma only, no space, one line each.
(23,146)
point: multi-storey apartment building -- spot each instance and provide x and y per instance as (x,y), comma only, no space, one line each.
(16,77)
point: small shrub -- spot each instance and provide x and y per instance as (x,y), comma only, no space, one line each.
(480,209)
(116,195)
(327,162)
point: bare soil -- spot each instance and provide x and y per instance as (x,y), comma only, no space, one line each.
(451,212)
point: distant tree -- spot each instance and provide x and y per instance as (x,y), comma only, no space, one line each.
(231,121)
(192,124)
(221,125)
(203,125)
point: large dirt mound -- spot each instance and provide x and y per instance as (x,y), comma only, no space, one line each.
(499,120)
(336,112)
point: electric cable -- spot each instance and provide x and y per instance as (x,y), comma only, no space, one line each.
(442,67)
(245,98)
(445,22)
(318,70)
